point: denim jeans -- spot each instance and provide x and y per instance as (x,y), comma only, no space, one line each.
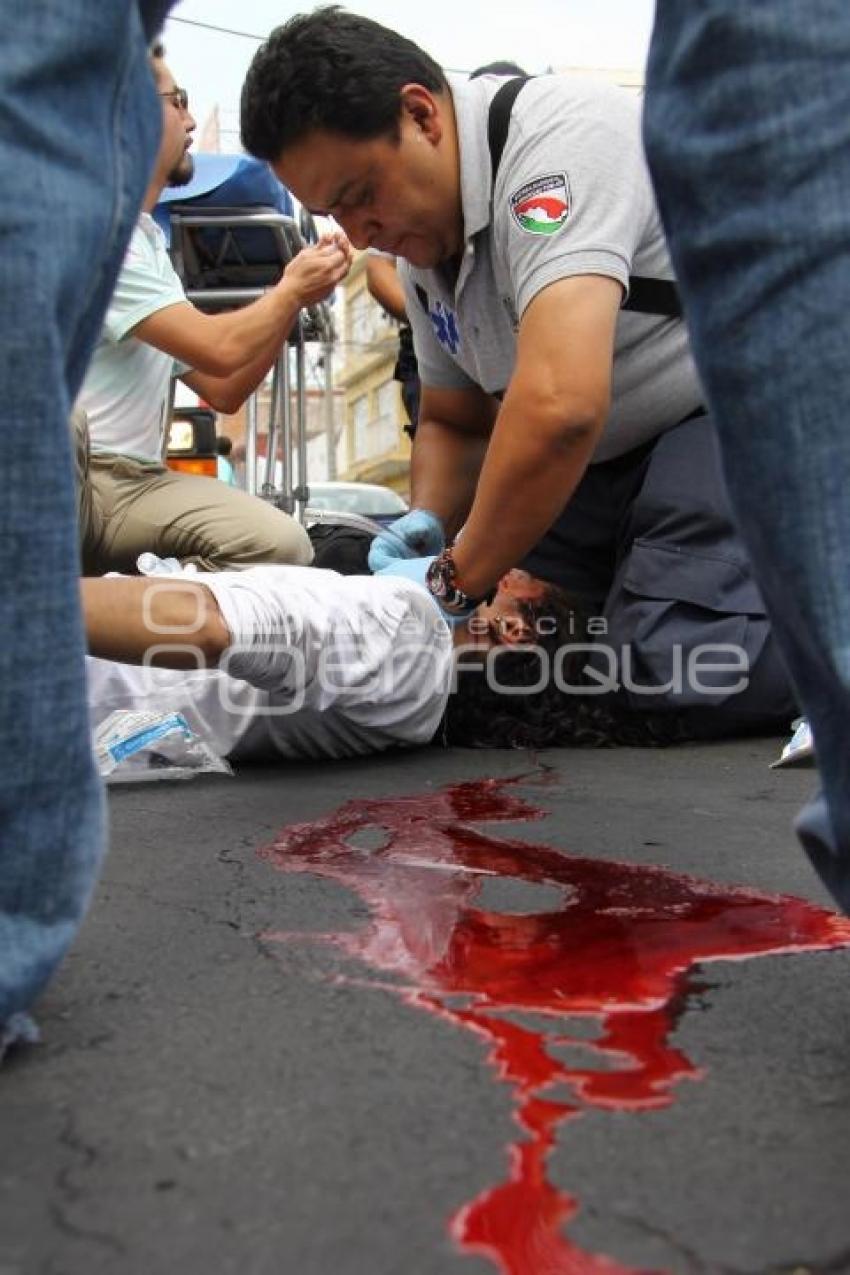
(747,129)
(79,128)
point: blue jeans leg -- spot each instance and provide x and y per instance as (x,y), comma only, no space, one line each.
(79,127)
(747,128)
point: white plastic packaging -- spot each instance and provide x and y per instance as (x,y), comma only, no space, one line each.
(133,746)
(800,749)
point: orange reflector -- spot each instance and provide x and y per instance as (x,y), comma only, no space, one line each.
(193,465)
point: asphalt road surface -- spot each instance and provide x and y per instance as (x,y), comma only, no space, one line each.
(444,1031)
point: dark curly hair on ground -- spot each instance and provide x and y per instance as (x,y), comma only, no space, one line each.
(329,70)
(481,715)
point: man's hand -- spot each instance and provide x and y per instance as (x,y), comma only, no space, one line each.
(315,271)
(231,353)
(419,533)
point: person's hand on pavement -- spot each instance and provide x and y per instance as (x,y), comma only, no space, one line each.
(419,530)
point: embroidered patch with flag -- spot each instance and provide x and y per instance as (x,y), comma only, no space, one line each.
(542,206)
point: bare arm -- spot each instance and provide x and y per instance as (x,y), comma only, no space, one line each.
(451,442)
(231,353)
(551,419)
(227,393)
(125,617)
(385,286)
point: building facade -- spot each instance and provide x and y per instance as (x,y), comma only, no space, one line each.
(374,446)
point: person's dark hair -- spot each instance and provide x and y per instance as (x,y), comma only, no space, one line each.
(156,59)
(329,70)
(481,715)
(223,445)
(497,68)
(337,547)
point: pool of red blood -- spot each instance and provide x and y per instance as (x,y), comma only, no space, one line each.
(617,953)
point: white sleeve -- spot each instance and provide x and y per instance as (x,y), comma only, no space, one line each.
(140,290)
(376,647)
(573,194)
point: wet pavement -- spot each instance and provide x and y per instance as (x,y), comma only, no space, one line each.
(399,1016)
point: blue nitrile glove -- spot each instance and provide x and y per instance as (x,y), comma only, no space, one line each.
(416,569)
(420,530)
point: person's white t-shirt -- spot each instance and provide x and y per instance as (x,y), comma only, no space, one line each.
(127,389)
(340,665)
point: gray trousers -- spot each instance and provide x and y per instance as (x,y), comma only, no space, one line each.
(127,507)
(649,544)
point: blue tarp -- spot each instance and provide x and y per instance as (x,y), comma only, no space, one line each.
(226,181)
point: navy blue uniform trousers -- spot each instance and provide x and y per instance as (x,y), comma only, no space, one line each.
(649,544)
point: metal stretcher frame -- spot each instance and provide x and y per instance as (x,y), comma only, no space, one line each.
(314,323)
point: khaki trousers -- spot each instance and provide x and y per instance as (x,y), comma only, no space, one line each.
(128,507)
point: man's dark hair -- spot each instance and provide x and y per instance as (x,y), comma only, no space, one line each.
(223,445)
(482,715)
(329,70)
(156,59)
(497,68)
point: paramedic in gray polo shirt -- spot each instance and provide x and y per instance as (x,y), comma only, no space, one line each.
(561,423)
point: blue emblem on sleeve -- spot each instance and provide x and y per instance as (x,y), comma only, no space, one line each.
(445,326)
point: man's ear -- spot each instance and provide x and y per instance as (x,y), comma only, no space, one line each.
(423,108)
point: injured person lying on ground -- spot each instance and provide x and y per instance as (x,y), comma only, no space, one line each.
(300,662)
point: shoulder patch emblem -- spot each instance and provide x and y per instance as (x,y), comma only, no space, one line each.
(541,206)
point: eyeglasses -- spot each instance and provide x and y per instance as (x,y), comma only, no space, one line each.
(178,98)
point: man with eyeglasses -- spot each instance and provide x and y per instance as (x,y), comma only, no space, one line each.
(130,502)
(178,98)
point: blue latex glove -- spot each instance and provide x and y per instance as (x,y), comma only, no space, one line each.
(416,569)
(420,530)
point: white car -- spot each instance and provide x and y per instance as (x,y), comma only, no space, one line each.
(369,500)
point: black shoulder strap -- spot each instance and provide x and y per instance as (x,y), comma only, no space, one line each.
(646,296)
(499,119)
(653,296)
